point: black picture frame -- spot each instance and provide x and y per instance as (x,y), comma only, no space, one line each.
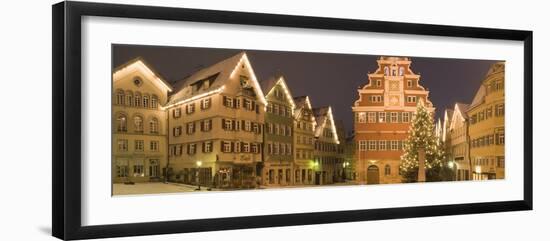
(66,127)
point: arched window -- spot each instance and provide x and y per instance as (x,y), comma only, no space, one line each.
(121,123)
(119,97)
(137,100)
(138,123)
(145,101)
(129,98)
(386,71)
(401,71)
(154,101)
(387,170)
(154,125)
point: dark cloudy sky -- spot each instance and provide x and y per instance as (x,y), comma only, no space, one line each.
(328,79)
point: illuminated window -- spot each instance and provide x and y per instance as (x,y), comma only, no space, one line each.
(137,100)
(393,117)
(361,117)
(122,145)
(206,103)
(154,101)
(154,146)
(382,117)
(372,145)
(362,145)
(394,145)
(129,98)
(405,117)
(145,101)
(119,97)
(154,126)
(138,124)
(382,145)
(372,117)
(138,145)
(121,123)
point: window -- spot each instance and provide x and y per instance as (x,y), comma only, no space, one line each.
(269,148)
(154,168)
(269,128)
(288,149)
(387,170)
(227,124)
(154,126)
(191,149)
(275,148)
(269,108)
(254,148)
(177,112)
(145,101)
(122,168)
(226,146)
(393,117)
(228,102)
(499,110)
(206,125)
(154,146)
(246,147)
(362,145)
(129,98)
(122,145)
(276,109)
(489,112)
(237,147)
(372,117)
(500,139)
(119,97)
(138,145)
(190,108)
(207,146)
(137,100)
(247,126)
(177,131)
(386,71)
(411,99)
(121,123)
(190,128)
(154,101)
(409,83)
(394,145)
(138,124)
(138,168)
(382,117)
(378,83)
(361,117)
(405,117)
(375,98)
(401,71)
(382,145)
(206,103)
(372,145)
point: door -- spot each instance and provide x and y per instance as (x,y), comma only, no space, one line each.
(317,178)
(373,175)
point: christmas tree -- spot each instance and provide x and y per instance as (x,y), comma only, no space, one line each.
(421,135)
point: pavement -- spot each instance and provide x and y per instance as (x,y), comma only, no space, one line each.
(153,188)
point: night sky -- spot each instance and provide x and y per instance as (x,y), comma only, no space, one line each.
(328,79)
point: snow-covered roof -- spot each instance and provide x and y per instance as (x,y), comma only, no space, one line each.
(139,64)
(218,74)
(269,84)
(479,97)
(322,116)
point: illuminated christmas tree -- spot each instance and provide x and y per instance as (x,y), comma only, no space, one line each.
(421,135)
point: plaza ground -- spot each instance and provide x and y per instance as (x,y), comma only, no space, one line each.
(160,187)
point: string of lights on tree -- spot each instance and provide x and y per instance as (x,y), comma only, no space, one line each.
(421,135)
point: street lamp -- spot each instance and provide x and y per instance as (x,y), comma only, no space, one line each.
(199,164)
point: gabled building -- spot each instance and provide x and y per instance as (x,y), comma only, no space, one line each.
(446,137)
(486,126)
(139,134)
(382,116)
(328,166)
(459,142)
(278,155)
(216,119)
(304,141)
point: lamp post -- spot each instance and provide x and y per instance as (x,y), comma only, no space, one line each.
(199,164)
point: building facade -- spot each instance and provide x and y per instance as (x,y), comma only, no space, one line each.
(486,126)
(278,155)
(139,128)
(382,116)
(216,119)
(459,142)
(328,165)
(304,141)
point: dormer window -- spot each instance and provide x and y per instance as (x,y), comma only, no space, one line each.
(401,71)
(386,71)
